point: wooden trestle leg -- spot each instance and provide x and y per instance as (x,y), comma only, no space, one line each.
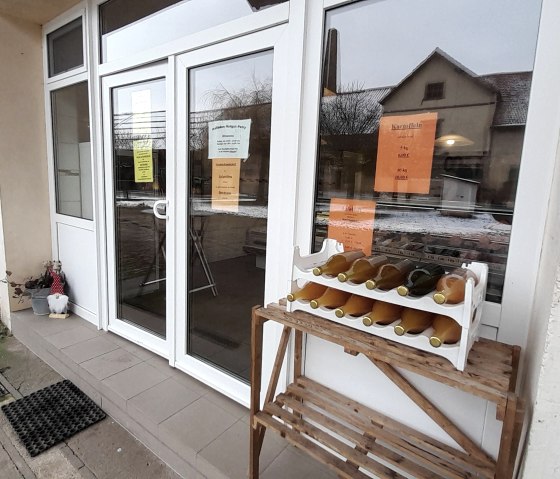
(256,430)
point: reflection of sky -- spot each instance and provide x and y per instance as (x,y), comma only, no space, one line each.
(122,96)
(177,21)
(380,42)
(232,75)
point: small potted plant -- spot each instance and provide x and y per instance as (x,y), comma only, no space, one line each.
(37,288)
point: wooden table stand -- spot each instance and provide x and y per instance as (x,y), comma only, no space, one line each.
(380,445)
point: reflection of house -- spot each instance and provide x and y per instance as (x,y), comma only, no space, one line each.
(480,125)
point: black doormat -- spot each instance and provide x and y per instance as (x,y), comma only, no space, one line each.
(51,415)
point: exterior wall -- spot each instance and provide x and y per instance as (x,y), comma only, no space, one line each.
(23,163)
(542,354)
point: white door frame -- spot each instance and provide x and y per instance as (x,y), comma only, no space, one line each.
(160,346)
(281,170)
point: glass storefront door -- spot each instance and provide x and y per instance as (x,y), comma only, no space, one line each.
(224,110)
(136,183)
(229,151)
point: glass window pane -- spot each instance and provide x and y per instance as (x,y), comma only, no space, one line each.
(115,14)
(72,151)
(182,19)
(228,206)
(139,176)
(429,127)
(65,47)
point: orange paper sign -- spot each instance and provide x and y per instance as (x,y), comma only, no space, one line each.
(225,184)
(405,152)
(351,223)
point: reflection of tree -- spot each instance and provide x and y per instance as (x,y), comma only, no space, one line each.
(352,111)
(124,136)
(252,102)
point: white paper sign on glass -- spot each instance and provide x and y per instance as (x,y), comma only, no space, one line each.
(229,139)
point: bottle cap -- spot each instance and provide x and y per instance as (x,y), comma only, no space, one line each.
(314,304)
(439,298)
(339,312)
(370,284)
(399,330)
(317,271)
(290,297)
(435,342)
(342,277)
(402,290)
(367,321)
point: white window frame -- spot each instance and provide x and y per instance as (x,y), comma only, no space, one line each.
(281,179)
(511,317)
(79,11)
(129,331)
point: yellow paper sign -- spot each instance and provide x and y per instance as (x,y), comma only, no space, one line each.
(143,163)
(351,223)
(225,184)
(405,152)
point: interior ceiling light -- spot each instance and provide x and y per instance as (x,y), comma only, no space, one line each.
(453,140)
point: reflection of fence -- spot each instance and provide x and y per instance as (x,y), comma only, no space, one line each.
(153,121)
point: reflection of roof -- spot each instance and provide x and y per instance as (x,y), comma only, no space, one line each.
(513,101)
(458,66)
(511,107)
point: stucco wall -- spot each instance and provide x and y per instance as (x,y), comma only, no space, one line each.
(23,163)
(542,458)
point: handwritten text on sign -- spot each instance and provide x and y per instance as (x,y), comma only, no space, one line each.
(405,152)
(229,138)
(351,223)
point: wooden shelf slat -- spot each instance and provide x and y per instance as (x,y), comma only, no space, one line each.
(411,442)
(341,467)
(367,442)
(476,379)
(355,440)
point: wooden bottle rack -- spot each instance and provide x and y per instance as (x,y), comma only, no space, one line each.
(327,425)
(468,313)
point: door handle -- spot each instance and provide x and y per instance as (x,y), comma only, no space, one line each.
(156,207)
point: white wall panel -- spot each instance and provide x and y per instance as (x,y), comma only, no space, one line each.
(77,251)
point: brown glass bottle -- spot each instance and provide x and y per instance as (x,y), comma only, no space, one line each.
(363,269)
(338,263)
(413,321)
(446,331)
(422,280)
(382,313)
(451,287)
(308,292)
(355,306)
(331,298)
(390,275)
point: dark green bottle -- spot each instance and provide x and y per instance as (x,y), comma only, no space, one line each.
(422,280)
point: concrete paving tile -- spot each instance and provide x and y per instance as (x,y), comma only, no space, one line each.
(228,455)
(134,380)
(194,427)
(162,365)
(292,463)
(160,402)
(47,326)
(138,351)
(229,405)
(89,349)
(110,363)
(73,336)
(110,452)
(190,382)
(23,369)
